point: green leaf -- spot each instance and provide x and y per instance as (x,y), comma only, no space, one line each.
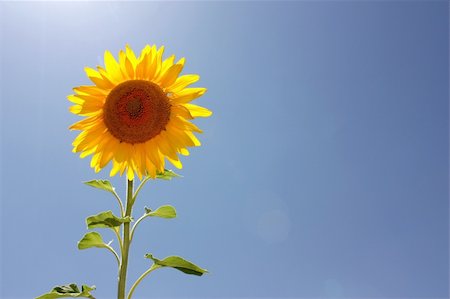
(167,175)
(105,220)
(163,212)
(91,239)
(178,263)
(101,184)
(69,290)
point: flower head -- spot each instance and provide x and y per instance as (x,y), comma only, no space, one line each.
(137,113)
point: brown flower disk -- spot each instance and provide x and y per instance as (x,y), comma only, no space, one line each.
(135,111)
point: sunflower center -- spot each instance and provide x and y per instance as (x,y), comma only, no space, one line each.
(136,111)
(134,107)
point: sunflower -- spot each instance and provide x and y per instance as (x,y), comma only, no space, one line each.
(137,113)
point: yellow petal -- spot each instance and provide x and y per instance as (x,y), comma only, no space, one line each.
(86,153)
(193,138)
(183,124)
(171,75)
(129,67)
(188,94)
(86,98)
(166,64)
(164,147)
(198,111)
(181,111)
(141,66)
(146,50)
(95,159)
(175,163)
(151,169)
(83,139)
(105,158)
(106,76)
(92,90)
(126,66)
(123,166)
(97,78)
(150,69)
(180,138)
(86,123)
(130,173)
(113,67)
(89,138)
(115,169)
(139,158)
(130,55)
(107,148)
(75,100)
(154,155)
(182,82)
(184,152)
(124,150)
(158,61)
(86,110)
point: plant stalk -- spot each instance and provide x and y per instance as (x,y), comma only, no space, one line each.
(126,243)
(140,279)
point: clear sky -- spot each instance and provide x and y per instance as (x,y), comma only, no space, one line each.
(323,171)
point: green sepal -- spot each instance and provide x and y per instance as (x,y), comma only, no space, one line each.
(178,263)
(92,239)
(166,211)
(69,290)
(167,175)
(105,220)
(101,184)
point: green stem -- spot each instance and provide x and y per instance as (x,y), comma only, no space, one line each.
(126,243)
(119,239)
(114,252)
(145,180)
(154,267)
(136,224)
(120,203)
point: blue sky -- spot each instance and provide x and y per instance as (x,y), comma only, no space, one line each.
(323,171)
